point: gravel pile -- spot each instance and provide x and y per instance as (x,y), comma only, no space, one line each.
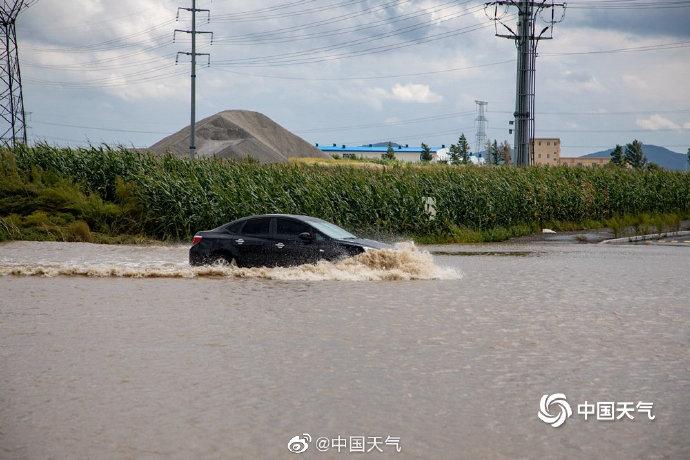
(239,134)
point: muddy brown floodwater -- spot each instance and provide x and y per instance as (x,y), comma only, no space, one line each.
(126,352)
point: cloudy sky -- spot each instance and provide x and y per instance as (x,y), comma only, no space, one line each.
(355,72)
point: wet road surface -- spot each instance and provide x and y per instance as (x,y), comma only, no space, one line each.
(95,363)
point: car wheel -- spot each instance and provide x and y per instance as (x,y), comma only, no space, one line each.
(225,260)
(230,261)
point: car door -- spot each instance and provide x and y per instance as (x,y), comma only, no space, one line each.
(224,241)
(295,250)
(255,244)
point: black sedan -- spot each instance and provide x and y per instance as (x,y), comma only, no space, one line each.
(276,240)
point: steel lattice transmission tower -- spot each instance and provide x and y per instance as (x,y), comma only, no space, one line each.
(480,124)
(193,32)
(527,35)
(12,115)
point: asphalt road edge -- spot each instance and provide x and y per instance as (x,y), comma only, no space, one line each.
(651,236)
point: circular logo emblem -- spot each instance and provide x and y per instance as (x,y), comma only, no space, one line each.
(554,409)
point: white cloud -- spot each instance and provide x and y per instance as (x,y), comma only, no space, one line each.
(634,82)
(656,122)
(580,82)
(108,52)
(376,97)
(412,92)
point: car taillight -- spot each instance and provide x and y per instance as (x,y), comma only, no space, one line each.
(196,239)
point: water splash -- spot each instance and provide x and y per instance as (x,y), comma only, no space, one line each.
(405,262)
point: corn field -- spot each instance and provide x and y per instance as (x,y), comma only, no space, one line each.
(172,198)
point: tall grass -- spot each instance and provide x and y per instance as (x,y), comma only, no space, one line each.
(171,198)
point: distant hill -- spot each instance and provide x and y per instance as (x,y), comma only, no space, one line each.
(660,156)
(239,134)
(384,144)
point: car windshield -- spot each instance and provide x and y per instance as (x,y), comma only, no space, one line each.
(331,230)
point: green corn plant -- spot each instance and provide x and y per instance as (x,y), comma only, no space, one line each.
(166,197)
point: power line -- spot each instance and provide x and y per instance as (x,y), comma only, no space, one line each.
(279,35)
(121,42)
(93,24)
(141,76)
(387,124)
(434,117)
(281,15)
(270,8)
(110,63)
(99,128)
(278,62)
(372,77)
(642,48)
(630,5)
(304,55)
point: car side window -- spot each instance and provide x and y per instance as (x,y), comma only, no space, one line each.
(235,228)
(291,228)
(257,227)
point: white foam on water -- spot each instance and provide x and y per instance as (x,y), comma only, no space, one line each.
(405,262)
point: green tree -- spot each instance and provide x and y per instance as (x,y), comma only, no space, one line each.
(493,155)
(634,155)
(390,152)
(426,153)
(504,150)
(459,153)
(689,159)
(463,149)
(617,156)
(454,153)
(488,153)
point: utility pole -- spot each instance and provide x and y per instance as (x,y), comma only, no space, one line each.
(480,123)
(193,55)
(12,115)
(526,37)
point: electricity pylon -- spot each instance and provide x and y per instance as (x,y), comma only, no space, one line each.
(193,55)
(12,116)
(480,122)
(527,36)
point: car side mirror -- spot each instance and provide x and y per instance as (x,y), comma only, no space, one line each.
(306,237)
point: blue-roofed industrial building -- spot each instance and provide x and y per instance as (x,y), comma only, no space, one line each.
(405,153)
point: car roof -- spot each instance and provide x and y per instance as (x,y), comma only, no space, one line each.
(293,216)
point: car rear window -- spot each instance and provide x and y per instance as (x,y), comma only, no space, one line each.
(235,228)
(291,227)
(257,227)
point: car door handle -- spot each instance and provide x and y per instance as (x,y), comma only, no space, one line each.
(280,245)
(240,241)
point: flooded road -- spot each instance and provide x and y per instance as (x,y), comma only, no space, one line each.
(126,352)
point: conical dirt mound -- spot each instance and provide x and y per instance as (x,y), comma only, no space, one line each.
(239,134)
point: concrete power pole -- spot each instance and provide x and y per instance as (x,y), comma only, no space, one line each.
(480,122)
(193,55)
(12,115)
(527,37)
